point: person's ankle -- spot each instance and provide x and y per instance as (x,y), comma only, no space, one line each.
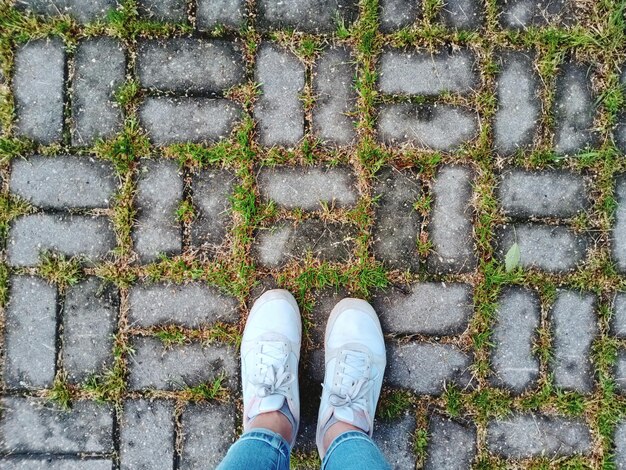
(335,430)
(275,421)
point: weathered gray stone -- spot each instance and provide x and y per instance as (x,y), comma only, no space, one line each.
(31,425)
(185,65)
(211,193)
(427,368)
(155,367)
(50,463)
(159,193)
(335,97)
(190,305)
(395,441)
(410,72)
(310,16)
(429,308)
(83,11)
(213,13)
(618,321)
(546,247)
(514,365)
(174,11)
(574,109)
(451,444)
(38,88)
(573,320)
(434,127)
(396,222)
(542,193)
(327,241)
(278,110)
(208,432)
(30,333)
(451,221)
(63,182)
(618,239)
(397,14)
(620,371)
(519,14)
(308,188)
(89,323)
(71,235)
(620,445)
(198,120)
(620,128)
(462,14)
(147,435)
(99,71)
(518,103)
(532,435)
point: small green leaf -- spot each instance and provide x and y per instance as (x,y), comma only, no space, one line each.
(512,258)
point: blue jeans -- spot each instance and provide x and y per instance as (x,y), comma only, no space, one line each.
(263,449)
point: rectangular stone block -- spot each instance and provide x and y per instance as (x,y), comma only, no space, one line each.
(518,103)
(620,371)
(426,368)
(211,14)
(396,222)
(49,463)
(573,320)
(169,120)
(533,435)
(211,190)
(188,65)
(285,242)
(397,14)
(335,97)
(408,72)
(451,443)
(170,11)
(619,132)
(574,109)
(309,16)
(91,238)
(309,187)
(520,14)
(429,308)
(395,441)
(551,248)
(99,71)
(278,110)
(451,229)
(147,435)
(159,193)
(208,432)
(618,322)
(547,193)
(63,182)
(432,127)
(30,333)
(89,322)
(515,366)
(190,305)
(38,89)
(32,425)
(618,238)
(462,14)
(83,11)
(175,368)
(620,445)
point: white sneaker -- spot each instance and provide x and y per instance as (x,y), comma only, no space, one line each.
(355,359)
(270,350)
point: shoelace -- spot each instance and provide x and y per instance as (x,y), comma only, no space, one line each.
(271,368)
(354,384)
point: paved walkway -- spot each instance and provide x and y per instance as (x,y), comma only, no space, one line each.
(458,163)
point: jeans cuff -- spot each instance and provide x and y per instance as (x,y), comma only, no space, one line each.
(275,440)
(344,436)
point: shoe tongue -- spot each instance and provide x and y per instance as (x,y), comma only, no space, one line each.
(266,404)
(350,416)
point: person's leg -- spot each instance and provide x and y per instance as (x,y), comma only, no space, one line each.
(355,361)
(270,350)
